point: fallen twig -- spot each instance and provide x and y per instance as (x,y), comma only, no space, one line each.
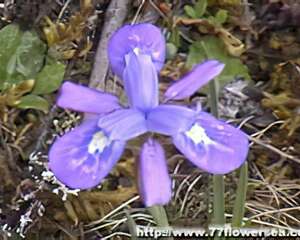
(274,149)
(114,18)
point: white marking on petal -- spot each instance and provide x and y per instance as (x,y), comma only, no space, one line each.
(98,143)
(198,135)
(137,51)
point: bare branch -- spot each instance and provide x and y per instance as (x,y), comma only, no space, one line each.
(114,18)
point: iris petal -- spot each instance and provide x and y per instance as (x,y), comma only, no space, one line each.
(73,163)
(144,36)
(84,99)
(170,119)
(155,184)
(213,145)
(140,81)
(123,124)
(198,77)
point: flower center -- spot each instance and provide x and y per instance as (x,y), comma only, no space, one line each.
(98,143)
(198,135)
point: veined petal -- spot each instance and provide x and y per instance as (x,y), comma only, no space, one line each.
(198,77)
(84,99)
(213,145)
(83,157)
(146,37)
(123,124)
(140,81)
(154,180)
(170,119)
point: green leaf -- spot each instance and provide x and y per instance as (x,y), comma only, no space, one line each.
(22,55)
(33,102)
(10,38)
(49,79)
(190,11)
(30,55)
(211,47)
(171,50)
(175,37)
(200,8)
(221,16)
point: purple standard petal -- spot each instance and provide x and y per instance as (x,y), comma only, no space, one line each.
(123,124)
(140,81)
(84,99)
(170,119)
(84,156)
(154,180)
(213,145)
(144,36)
(198,77)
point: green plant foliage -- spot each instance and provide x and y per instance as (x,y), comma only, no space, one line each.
(10,38)
(221,16)
(171,50)
(30,55)
(219,19)
(33,102)
(211,47)
(200,7)
(49,79)
(22,57)
(198,10)
(175,37)
(190,11)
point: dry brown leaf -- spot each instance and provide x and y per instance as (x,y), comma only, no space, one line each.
(62,35)
(115,197)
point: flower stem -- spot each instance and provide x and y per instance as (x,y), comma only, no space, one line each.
(159,214)
(131,225)
(218,200)
(218,180)
(239,204)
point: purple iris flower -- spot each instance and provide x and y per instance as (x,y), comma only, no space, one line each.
(83,157)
